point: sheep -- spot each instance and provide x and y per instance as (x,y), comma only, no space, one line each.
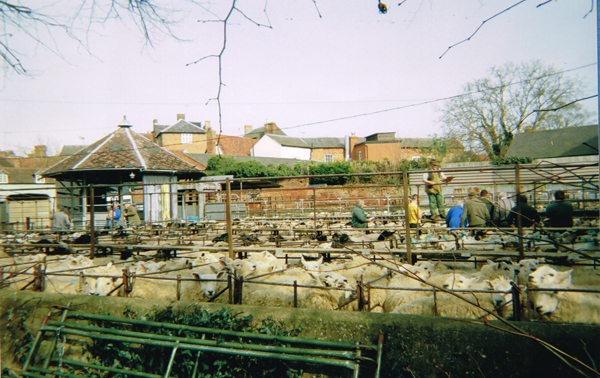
(448,305)
(311,265)
(547,277)
(494,269)
(502,300)
(569,307)
(376,276)
(411,277)
(244,268)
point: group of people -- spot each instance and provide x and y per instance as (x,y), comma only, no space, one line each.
(477,210)
(113,217)
(60,219)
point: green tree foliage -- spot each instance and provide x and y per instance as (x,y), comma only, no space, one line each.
(336,168)
(226,165)
(512,98)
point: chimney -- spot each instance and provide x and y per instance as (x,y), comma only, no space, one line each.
(154,121)
(270,128)
(38,151)
(206,125)
(247,129)
(211,140)
(181,116)
(353,140)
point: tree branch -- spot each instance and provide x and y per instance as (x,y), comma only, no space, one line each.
(480,26)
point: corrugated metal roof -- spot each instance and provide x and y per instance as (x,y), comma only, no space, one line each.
(567,141)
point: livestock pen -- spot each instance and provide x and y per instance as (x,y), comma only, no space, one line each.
(292,247)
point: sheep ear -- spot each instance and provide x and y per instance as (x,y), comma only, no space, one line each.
(196,275)
(314,275)
(221,274)
(564,277)
(214,269)
(320,261)
(302,258)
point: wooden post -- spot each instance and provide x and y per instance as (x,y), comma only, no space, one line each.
(519,223)
(229,219)
(315,207)
(92,228)
(409,257)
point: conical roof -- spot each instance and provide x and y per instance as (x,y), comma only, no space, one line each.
(123,151)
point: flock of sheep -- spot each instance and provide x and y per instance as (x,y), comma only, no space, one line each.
(351,281)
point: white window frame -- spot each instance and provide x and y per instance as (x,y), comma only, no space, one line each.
(329,158)
(186,138)
(3,178)
(40,179)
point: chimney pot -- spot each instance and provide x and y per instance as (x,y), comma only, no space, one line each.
(247,129)
(206,125)
(181,116)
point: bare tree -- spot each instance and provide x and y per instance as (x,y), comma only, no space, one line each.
(512,99)
(41,22)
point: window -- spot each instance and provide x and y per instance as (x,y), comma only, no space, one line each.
(359,155)
(39,179)
(186,138)
(328,158)
(3,178)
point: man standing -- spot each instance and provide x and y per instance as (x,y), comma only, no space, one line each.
(529,215)
(116,215)
(483,197)
(414,214)
(60,220)
(433,187)
(359,218)
(559,212)
(475,211)
(502,209)
(131,215)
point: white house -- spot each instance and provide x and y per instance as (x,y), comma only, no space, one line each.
(279,146)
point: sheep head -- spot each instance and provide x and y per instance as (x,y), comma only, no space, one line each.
(547,277)
(459,282)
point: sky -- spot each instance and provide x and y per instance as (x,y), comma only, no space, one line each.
(323,68)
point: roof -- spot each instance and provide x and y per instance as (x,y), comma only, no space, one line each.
(564,142)
(325,142)
(182,126)
(69,150)
(20,175)
(204,158)
(233,145)
(289,141)
(122,150)
(259,132)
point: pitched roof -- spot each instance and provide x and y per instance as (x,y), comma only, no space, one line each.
(233,145)
(564,142)
(325,142)
(69,150)
(20,175)
(259,132)
(182,126)
(123,149)
(288,141)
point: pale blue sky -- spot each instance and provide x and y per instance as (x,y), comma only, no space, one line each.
(304,70)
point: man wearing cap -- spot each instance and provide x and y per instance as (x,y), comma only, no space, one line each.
(475,211)
(433,187)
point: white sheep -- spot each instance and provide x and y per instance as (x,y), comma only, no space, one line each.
(376,276)
(399,286)
(312,265)
(568,307)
